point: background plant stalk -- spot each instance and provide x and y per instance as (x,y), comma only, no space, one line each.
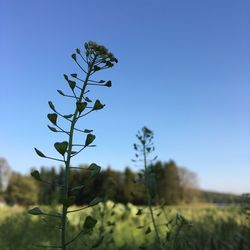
(148,191)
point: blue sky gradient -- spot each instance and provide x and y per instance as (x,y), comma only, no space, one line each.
(183,71)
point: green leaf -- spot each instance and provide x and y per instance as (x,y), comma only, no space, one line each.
(139,212)
(89,139)
(61,147)
(98,105)
(70,201)
(35,211)
(66,77)
(148,230)
(78,187)
(74,75)
(98,243)
(60,92)
(81,106)
(109,64)
(52,117)
(78,51)
(94,168)
(74,56)
(36,175)
(108,84)
(88,130)
(53,129)
(96,68)
(68,116)
(41,154)
(87,99)
(72,84)
(51,105)
(89,223)
(95,201)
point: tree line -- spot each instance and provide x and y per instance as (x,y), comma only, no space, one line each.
(169,184)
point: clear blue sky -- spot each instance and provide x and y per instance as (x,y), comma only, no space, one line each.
(183,71)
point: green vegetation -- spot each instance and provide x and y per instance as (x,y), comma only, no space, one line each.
(143,150)
(212,228)
(93,59)
(118,186)
(103,199)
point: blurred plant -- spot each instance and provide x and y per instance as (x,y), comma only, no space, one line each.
(143,149)
(174,226)
(106,211)
(95,58)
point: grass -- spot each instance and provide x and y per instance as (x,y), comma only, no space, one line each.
(212,228)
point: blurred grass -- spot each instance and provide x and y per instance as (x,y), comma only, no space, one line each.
(212,228)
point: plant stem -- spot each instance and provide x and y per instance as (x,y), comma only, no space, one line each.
(67,164)
(148,194)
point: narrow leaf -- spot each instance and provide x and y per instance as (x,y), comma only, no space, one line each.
(60,92)
(87,99)
(35,211)
(74,75)
(53,129)
(68,116)
(88,130)
(95,201)
(41,154)
(51,105)
(78,187)
(66,77)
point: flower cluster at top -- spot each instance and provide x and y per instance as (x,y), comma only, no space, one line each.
(100,51)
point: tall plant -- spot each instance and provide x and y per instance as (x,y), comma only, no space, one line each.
(94,58)
(143,149)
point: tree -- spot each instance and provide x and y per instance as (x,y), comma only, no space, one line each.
(5,173)
(189,190)
(21,190)
(171,183)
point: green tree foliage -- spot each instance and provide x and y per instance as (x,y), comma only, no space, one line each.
(122,187)
(21,190)
(171,183)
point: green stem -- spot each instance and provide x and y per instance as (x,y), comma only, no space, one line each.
(67,164)
(148,194)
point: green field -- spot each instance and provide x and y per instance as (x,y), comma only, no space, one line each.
(206,227)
